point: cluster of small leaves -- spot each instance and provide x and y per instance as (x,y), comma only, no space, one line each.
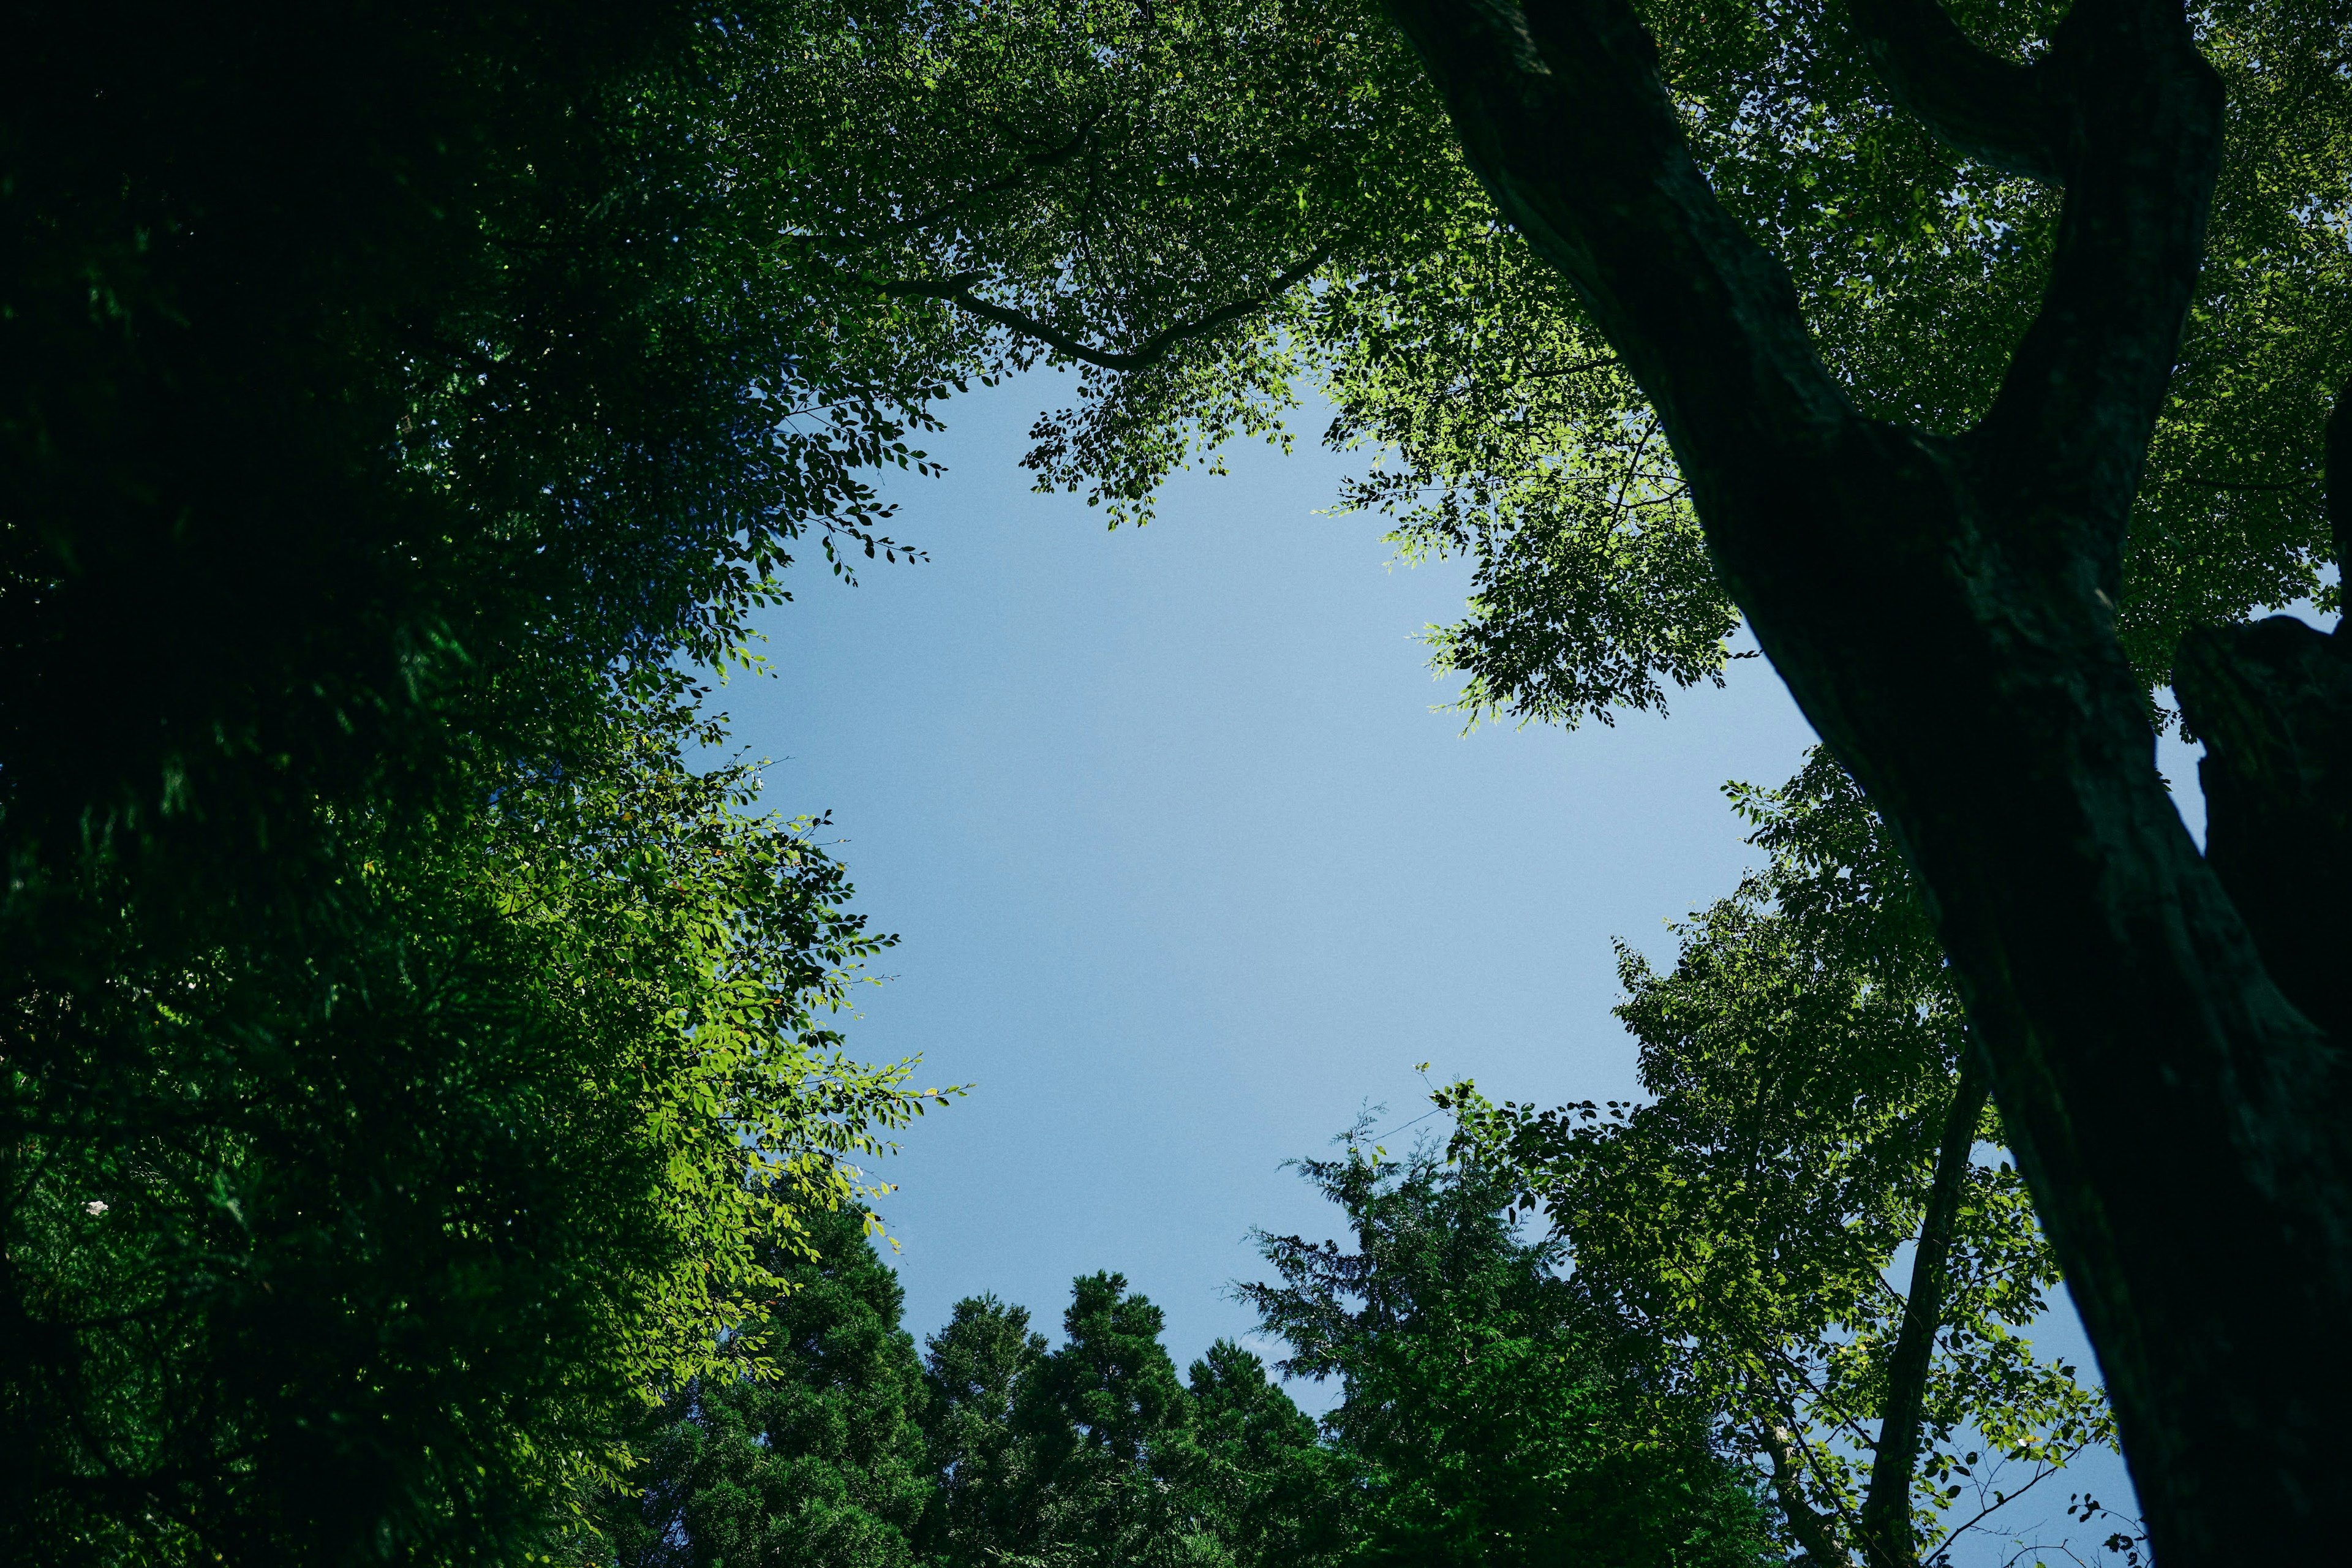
(1800,1058)
(1519,442)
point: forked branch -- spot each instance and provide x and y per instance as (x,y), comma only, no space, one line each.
(1563,115)
(1991,108)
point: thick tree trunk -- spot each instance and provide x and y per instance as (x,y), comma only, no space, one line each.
(1943,612)
(2273,703)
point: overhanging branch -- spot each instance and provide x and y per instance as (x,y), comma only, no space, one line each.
(1031,167)
(957,291)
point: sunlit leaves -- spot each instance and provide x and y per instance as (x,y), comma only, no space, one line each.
(1800,1059)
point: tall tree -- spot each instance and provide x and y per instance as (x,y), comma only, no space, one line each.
(1105,1423)
(1500,1421)
(1260,1481)
(1944,608)
(818,1461)
(1096,1453)
(1811,1112)
(410,1055)
(369,1244)
(973,1372)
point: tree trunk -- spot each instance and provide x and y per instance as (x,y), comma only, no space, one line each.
(2273,703)
(1887,1537)
(1817,1534)
(1943,612)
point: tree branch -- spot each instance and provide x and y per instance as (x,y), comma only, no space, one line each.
(2069,430)
(1944,613)
(2337,456)
(1562,114)
(1034,164)
(1993,110)
(1814,1530)
(957,290)
(2273,702)
(1886,1508)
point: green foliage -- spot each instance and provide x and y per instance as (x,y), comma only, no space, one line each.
(1085,1454)
(1498,1419)
(494,365)
(1800,1058)
(820,1462)
(365,1238)
(413,1059)
(1103,1427)
(1193,162)
(1490,1416)
(974,1371)
(1057,205)
(1260,1481)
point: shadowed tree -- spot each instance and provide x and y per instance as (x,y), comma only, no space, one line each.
(1943,606)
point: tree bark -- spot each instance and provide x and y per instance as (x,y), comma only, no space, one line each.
(1943,610)
(1887,1538)
(2273,702)
(1814,1531)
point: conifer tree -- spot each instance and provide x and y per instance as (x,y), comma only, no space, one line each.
(818,1462)
(974,1370)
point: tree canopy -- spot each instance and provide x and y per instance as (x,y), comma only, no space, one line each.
(1979,359)
(1498,1420)
(1487,1418)
(415,1059)
(1136,191)
(1811,1112)
(418,1050)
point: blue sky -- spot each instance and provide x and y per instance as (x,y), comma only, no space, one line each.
(1187,870)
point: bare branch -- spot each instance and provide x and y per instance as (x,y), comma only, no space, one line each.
(2002,1500)
(1991,108)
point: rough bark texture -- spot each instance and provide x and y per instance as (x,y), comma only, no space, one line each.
(1943,612)
(1889,1540)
